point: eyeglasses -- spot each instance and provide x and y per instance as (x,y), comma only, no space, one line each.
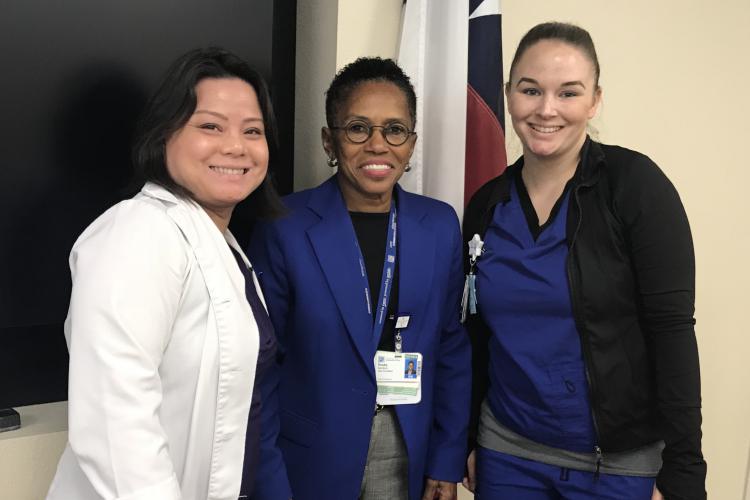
(359,131)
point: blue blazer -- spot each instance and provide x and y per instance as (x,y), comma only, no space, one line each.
(318,406)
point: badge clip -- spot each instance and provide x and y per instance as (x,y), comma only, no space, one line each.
(469,297)
(401,323)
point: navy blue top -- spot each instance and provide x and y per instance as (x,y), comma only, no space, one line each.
(538,385)
(266,358)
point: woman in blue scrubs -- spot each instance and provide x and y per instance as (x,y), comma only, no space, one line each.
(587,381)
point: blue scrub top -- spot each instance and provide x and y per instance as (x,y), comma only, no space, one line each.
(538,385)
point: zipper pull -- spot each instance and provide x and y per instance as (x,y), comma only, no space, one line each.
(598,452)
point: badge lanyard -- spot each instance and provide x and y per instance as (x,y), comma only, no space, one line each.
(386,280)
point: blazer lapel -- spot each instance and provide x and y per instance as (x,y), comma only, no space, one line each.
(333,240)
(416,260)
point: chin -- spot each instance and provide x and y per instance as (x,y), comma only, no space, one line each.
(379,190)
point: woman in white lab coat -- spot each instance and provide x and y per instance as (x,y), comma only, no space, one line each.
(163,341)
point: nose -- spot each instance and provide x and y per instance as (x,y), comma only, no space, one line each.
(547,108)
(233,145)
(377,143)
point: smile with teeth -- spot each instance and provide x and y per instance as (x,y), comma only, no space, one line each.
(545,130)
(229,171)
(376,167)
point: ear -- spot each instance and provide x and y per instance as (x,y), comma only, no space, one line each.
(326,137)
(507,89)
(597,102)
(412,142)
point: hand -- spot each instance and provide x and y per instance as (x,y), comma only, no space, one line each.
(656,495)
(470,481)
(439,490)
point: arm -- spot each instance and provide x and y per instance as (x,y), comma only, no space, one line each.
(661,249)
(452,380)
(475,223)
(265,254)
(127,275)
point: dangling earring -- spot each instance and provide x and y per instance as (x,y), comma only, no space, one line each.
(333,162)
(407,167)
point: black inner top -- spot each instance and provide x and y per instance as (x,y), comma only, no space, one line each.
(372,232)
(528,208)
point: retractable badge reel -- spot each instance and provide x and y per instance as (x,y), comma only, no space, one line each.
(469,298)
(401,322)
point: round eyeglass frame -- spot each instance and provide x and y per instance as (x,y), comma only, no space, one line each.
(370,128)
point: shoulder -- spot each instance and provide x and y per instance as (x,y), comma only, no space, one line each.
(297,212)
(635,182)
(292,224)
(137,216)
(624,165)
(300,199)
(488,195)
(136,229)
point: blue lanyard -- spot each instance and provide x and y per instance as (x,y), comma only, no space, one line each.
(386,280)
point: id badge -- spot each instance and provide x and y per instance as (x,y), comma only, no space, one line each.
(399,377)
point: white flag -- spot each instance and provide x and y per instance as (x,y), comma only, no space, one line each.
(433,51)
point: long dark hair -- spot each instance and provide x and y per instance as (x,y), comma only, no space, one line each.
(173,104)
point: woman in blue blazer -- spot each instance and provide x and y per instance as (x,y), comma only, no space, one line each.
(361,278)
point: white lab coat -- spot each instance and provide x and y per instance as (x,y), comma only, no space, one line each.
(163,348)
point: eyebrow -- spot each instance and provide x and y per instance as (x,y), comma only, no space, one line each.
(566,84)
(219,115)
(368,120)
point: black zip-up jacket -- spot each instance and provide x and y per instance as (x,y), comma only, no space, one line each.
(631,272)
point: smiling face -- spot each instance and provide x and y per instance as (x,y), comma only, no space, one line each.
(551,97)
(368,171)
(220,155)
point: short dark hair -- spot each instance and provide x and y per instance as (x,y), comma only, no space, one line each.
(367,69)
(172,105)
(564,32)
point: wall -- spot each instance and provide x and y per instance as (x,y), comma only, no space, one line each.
(315,66)
(672,73)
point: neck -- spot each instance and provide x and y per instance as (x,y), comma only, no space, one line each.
(220,218)
(539,172)
(356,201)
